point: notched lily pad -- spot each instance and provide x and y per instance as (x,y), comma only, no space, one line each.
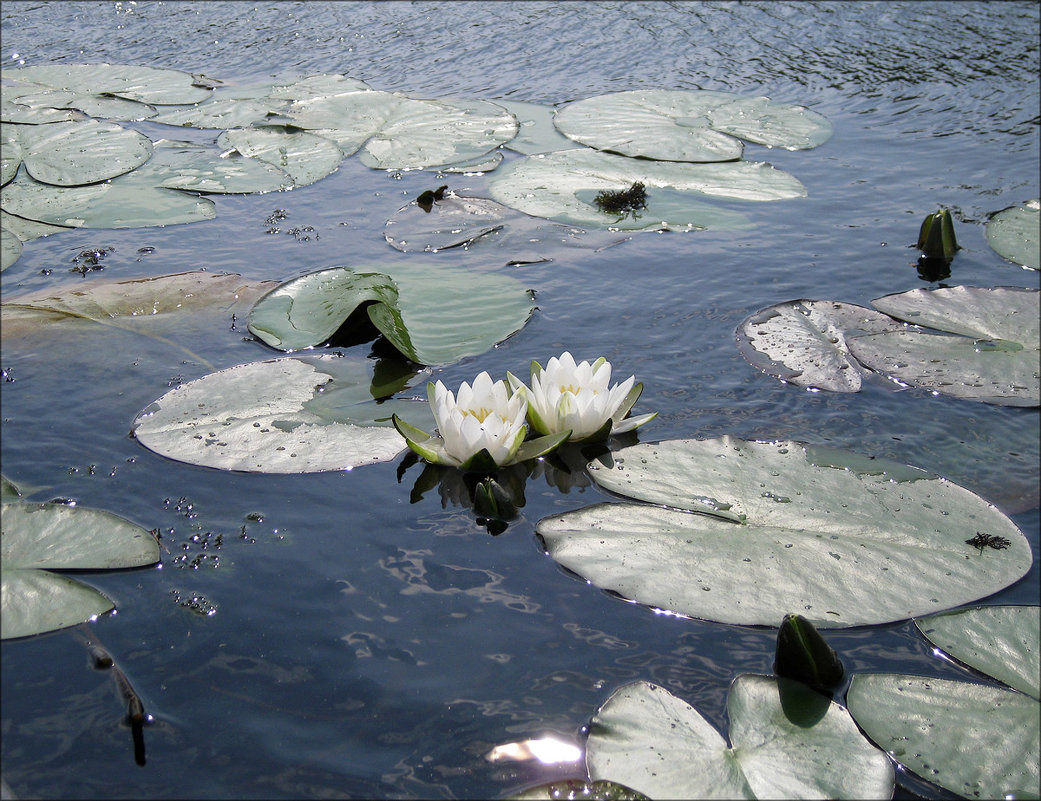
(289,415)
(742,532)
(678,125)
(153,85)
(803,342)
(431,315)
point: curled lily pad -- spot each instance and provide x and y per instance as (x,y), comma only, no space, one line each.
(786,741)
(153,85)
(742,532)
(432,316)
(81,152)
(40,537)
(994,357)
(1001,641)
(1013,233)
(803,342)
(289,415)
(975,740)
(457,221)
(678,125)
(563,186)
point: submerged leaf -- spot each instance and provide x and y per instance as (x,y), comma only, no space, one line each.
(741,532)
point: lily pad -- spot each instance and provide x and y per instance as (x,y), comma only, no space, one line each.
(229,112)
(59,102)
(678,125)
(10,153)
(399,132)
(60,537)
(537,133)
(81,152)
(562,186)
(458,221)
(130,201)
(843,539)
(1014,233)
(803,342)
(289,415)
(994,358)
(1001,641)
(306,158)
(28,230)
(975,740)
(10,248)
(786,741)
(154,85)
(431,315)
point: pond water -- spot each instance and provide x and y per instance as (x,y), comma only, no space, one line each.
(370,643)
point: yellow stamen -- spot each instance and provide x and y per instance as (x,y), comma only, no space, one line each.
(480,414)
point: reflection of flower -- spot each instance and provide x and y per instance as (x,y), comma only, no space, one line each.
(481,428)
(568,396)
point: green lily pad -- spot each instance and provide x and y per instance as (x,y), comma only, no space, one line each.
(129,201)
(975,740)
(10,248)
(60,537)
(537,133)
(431,315)
(399,132)
(562,186)
(678,125)
(289,415)
(1013,234)
(28,230)
(786,741)
(743,532)
(458,221)
(229,112)
(803,342)
(578,788)
(10,153)
(106,107)
(12,111)
(154,85)
(994,358)
(1001,641)
(81,152)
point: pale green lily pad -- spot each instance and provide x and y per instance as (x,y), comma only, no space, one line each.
(289,415)
(1001,641)
(1015,234)
(678,125)
(578,788)
(154,85)
(28,230)
(994,358)
(537,133)
(399,132)
(10,152)
(129,201)
(198,168)
(786,741)
(61,537)
(58,100)
(803,342)
(466,223)
(305,157)
(10,248)
(562,186)
(223,113)
(316,85)
(81,152)
(842,539)
(975,740)
(13,112)
(432,315)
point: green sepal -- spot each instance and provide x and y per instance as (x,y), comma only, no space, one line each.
(629,401)
(536,368)
(936,236)
(630,423)
(426,445)
(540,446)
(803,655)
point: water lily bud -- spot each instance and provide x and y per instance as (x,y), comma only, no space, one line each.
(803,655)
(492,500)
(936,237)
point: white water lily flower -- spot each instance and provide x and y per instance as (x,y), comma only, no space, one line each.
(566,395)
(482,427)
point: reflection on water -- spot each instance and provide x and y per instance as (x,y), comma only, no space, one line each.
(369,637)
